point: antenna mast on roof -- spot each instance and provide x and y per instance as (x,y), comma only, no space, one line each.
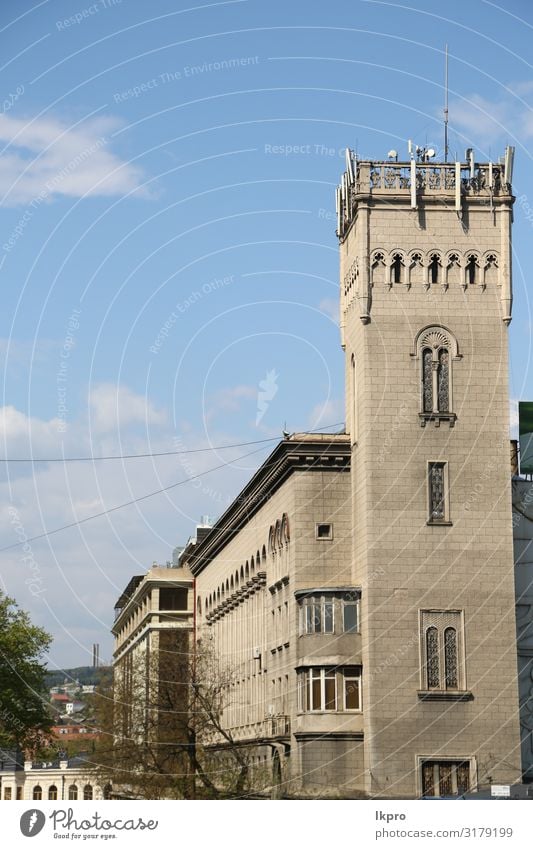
(446,105)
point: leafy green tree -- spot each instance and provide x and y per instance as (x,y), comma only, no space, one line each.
(24,712)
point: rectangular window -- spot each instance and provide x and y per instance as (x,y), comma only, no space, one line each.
(317,615)
(330,689)
(19,793)
(352,689)
(173,598)
(329,614)
(445,778)
(324,531)
(7,792)
(350,611)
(438,502)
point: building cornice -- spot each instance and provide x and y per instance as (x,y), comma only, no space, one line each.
(299,453)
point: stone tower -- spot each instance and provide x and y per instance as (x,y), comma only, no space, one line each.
(425,257)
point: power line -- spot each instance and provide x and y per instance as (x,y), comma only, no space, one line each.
(92,459)
(132,456)
(143,497)
(126,503)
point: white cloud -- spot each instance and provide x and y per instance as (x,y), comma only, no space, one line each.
(326,413)
(330,307)
(115,407)
(44,158)
(230,400)
(70,580)
(504,117)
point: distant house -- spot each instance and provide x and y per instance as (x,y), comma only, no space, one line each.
(64,779)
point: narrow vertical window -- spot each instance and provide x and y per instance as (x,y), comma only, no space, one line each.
(353,387)
(396,268)
(432,659)
(434,269)
(443,381)
(427,380)
(330,690)
(450,658)
(471,268)
(437,494)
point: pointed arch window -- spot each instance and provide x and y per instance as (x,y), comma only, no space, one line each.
(434,268)
(436,348)
(472,270)
(397,269)
(450,658)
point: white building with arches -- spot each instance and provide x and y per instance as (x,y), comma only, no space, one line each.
(65,779)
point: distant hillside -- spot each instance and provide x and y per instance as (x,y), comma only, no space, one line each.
(83,674)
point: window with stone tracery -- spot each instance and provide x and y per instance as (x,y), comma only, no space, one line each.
(445,778)
(439,511)
(435,348)
(441,633)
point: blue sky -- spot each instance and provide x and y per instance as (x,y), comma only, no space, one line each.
(168,255)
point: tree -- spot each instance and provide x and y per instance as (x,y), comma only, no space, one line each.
(163,734)
(24,713)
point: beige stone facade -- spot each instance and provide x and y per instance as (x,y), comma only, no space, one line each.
(426,300)
(382,526)
(153,626)
(360,587)
(276,600)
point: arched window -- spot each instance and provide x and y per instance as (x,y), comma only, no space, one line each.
(471,269)
(450,658)
(199,606)
(72,792)
(397,269)
(378,267)
(442,634)
(108,789)
(285,529)
(490,271)
(52,792)
(434,268)
(416,269)
(435,348)
(88,792)
(247,571)
(432,659)
(277,534)
(37,792)
(453,269)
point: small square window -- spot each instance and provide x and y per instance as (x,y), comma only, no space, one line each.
(324,531)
